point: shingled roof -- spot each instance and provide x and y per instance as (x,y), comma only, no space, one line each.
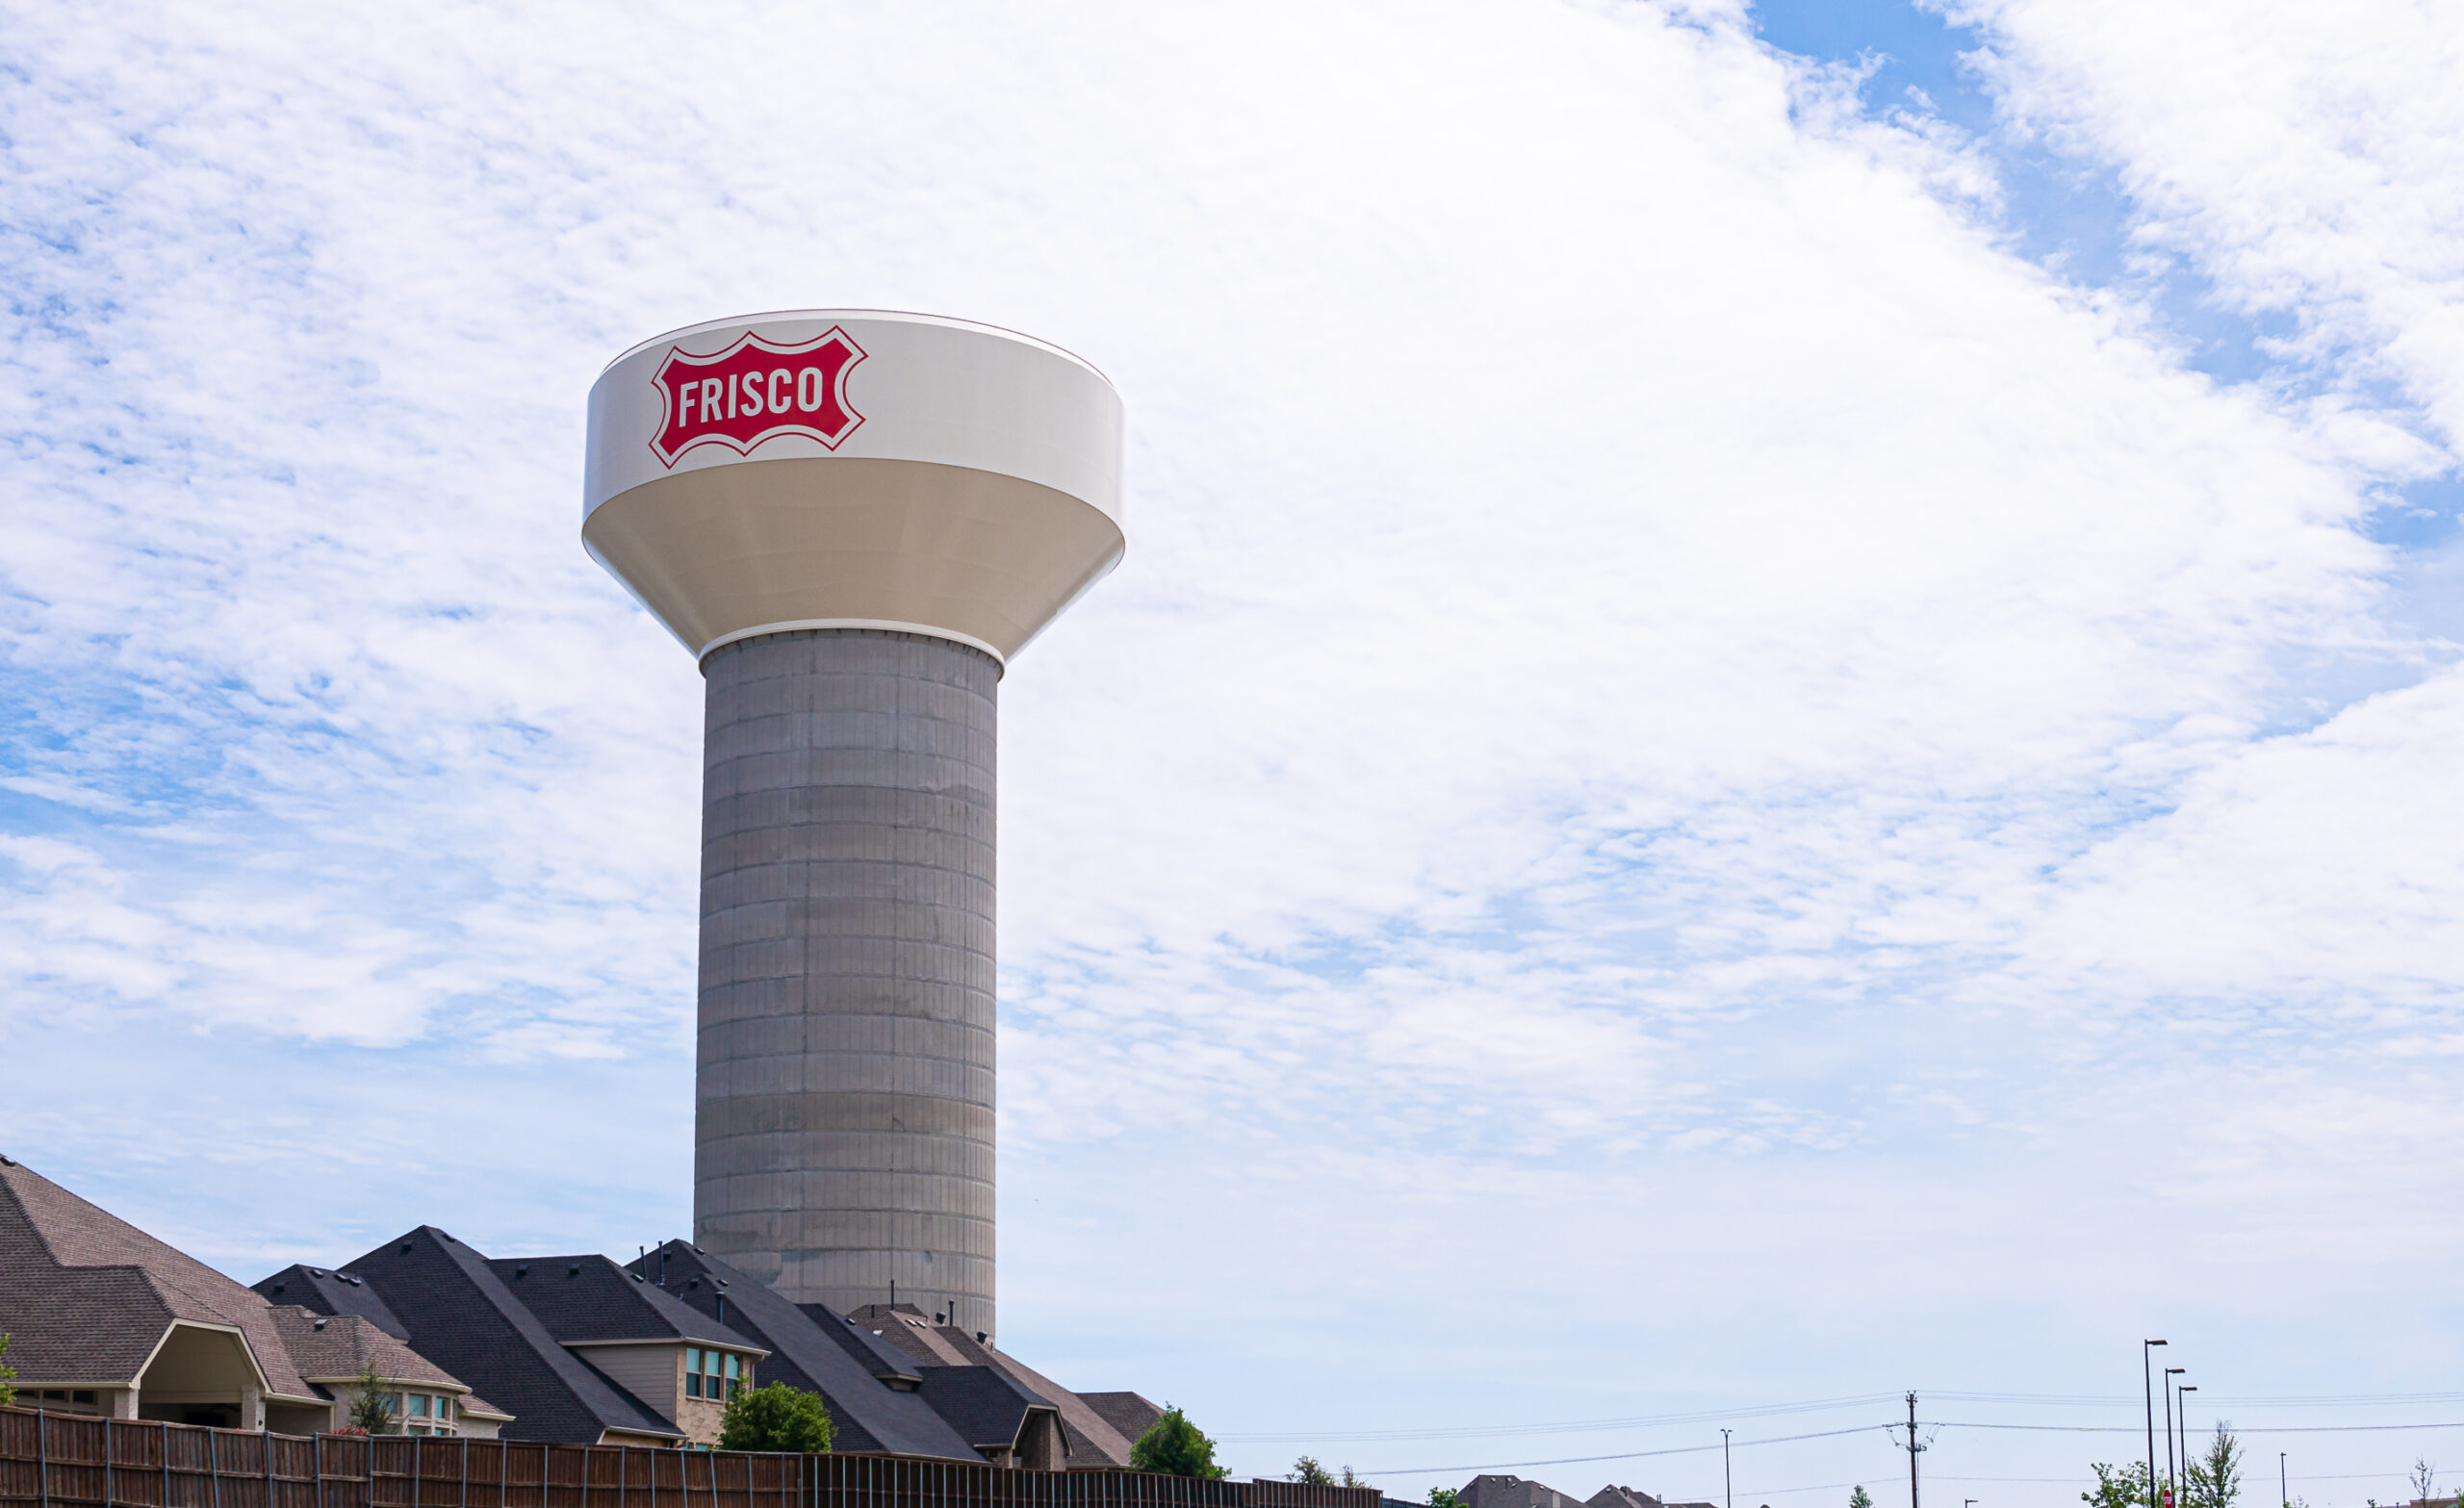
(809,1348)
(583,1299)
(329,1292)
(1092,1439)
(1130,1412)
(87,1297)
(456,1309)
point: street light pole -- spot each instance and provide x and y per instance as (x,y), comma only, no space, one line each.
(1727,1477)
(2148,1395)
(2283,1485)
(2171,1481)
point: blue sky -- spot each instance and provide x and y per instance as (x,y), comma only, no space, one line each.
(1765,739)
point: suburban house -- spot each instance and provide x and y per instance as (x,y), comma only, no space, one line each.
(1515,1492)
(106,1319)
(1628,1498)
(564,1340)
(576,1350)
(1006,1410)
(581,1349)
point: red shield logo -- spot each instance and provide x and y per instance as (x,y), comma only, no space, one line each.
(754,390)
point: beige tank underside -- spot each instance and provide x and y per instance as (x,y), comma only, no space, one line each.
(808,542)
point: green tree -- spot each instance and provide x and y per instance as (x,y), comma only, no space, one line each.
(776,1417)
(1350,1479)
(371,1408)
(1177,1447)
(1444,1497)
(2214,1479)
(8,1395)
(1860,1497)
(2125,1488)
(1309,1473)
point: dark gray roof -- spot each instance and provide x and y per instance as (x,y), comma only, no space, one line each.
(329,1292)
(874,1354)
(1498,1491)
(985,1406)
(582,1299)
(1092,1438)
(87,1297)
(906,1328)
(457,1311)
(804,1353)
(1126,1411)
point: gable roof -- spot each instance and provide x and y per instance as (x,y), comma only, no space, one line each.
(804,1353)
(873,1353)
(89,1296)
(987,1408)
(904,1327)
(1130,1412)
(339,1348)
(327,1292)
(456,1309)
(587,1299)
(1091,1438)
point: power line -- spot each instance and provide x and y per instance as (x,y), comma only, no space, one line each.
(2254,1429)
(1833,1434)
(1819,1405)
(1570,1426)
(1623,1455)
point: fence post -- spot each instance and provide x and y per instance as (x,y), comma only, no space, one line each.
(42,1454)
(466,1472)
(163,1455)
(106,1459)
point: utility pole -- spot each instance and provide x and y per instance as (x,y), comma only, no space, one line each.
(2283,1484)
(1728,1478)
(1913,1448)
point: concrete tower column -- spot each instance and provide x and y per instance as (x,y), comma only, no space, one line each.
(853,520)
(843,1119)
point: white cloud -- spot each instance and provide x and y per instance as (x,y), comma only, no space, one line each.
(1669,693)
(2307,160)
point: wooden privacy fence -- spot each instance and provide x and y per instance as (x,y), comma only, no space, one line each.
(78,1461)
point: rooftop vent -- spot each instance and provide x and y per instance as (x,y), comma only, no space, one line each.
(574,1272)
(521,1271)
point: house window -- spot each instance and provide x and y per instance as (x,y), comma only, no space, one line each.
(716,1374)
(422,1412)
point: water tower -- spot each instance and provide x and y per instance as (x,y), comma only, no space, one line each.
(852,520)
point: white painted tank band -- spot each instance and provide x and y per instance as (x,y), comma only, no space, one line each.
(794,624)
